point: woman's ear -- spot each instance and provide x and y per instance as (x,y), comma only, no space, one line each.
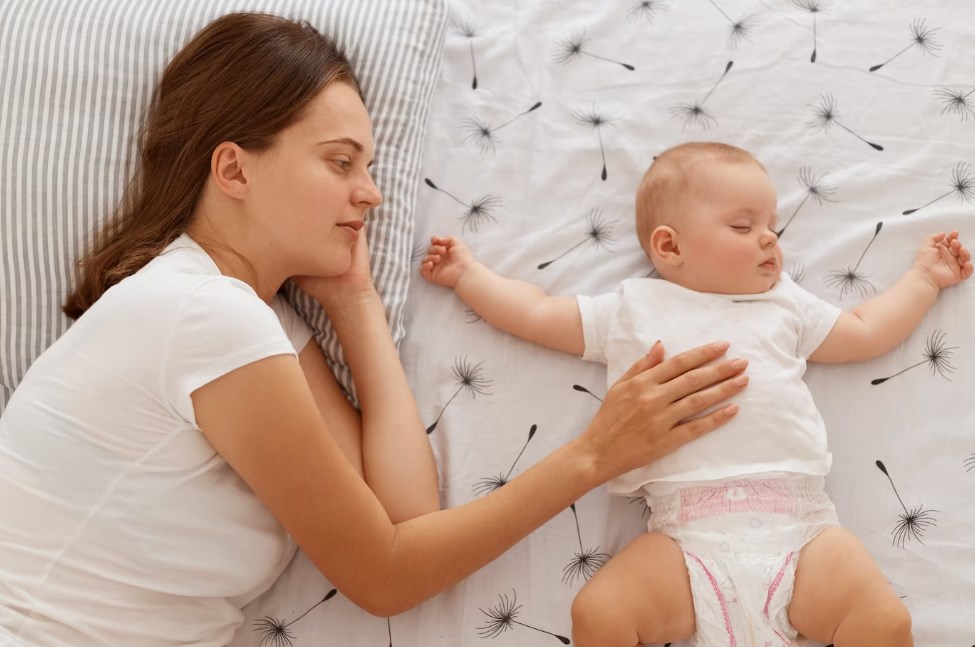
(226,170)
(665,243)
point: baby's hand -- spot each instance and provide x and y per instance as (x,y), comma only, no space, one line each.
(944,260)
(446,261)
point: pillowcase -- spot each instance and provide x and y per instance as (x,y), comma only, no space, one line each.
(77,78)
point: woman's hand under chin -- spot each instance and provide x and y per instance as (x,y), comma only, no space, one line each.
(356,283)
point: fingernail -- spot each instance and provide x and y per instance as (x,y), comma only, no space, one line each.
(739,364)
(741,380)
(731,410)
(721,346)
(655,344)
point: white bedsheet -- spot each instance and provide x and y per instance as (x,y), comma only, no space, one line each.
(516,166)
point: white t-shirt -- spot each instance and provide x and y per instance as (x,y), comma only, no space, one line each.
(778,428)
(119,522)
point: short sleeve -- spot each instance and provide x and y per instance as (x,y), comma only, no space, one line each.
(294,326)
(221,326)
(817,318)
(597,314)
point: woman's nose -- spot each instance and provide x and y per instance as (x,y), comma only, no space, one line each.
(368,193)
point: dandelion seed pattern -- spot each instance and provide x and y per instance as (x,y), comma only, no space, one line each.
(468,378)
(957,102)
(471,316)
(277,632)
(470,32)
(740,28)
(914,522)
(485,136)
(586,561)
(921,37)
(598,234)
(575,46)
(815,190)
(937,355)
(695,113)
(797,272)
(582,389)
(970,463)
(502,617)
(850,279)
(477,212)
(492,483)
(645,512)
(962,185)
(814,7)
(596,121)
(646,10)
(825,117)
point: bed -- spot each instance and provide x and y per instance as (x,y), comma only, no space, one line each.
(544,117)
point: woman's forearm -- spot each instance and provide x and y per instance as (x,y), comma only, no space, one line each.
(397,460)
(433,552)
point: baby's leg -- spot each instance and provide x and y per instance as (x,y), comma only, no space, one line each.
(841,596)
(642,595)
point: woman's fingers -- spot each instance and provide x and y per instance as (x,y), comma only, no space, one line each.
(693,429)
(651,359)
(696,380)
(701,400)
(683,362)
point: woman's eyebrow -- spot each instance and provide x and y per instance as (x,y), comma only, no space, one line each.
(344,140)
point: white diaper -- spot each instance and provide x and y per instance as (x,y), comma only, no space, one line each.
(741,540)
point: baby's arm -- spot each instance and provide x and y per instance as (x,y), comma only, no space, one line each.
(878,325)
(517,307)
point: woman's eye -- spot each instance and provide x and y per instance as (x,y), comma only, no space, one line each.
(345,165)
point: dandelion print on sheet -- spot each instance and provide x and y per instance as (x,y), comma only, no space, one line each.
(468,377)
(914,522)
(477,212)
(503,617)
(492,483)
(484,135)
(851,279)
(598,234)
(826,115)
(937,355)
(277,633)
(575,47)
(695,113)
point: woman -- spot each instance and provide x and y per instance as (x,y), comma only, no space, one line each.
(158,461)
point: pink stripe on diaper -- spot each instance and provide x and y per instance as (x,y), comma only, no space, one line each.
(771,592)
(737,496)
(720,596)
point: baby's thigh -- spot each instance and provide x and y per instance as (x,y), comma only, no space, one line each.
(835,574)
(643,591)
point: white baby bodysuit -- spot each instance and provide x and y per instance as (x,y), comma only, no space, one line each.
(778,428)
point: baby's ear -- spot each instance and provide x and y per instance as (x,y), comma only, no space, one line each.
(665,245)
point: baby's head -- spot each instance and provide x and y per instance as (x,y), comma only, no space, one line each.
(706,218)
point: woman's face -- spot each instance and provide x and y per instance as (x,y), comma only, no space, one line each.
(311,189)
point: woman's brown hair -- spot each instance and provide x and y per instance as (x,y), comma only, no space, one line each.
(243,78)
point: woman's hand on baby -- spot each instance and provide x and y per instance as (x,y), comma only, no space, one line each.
(943,260)
(448,257)
(655,407)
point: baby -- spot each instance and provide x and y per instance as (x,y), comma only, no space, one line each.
(744,547)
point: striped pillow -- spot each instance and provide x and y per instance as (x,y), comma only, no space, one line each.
(77,77)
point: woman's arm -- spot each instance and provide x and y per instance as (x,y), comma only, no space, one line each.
(263,419)
(396,459)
